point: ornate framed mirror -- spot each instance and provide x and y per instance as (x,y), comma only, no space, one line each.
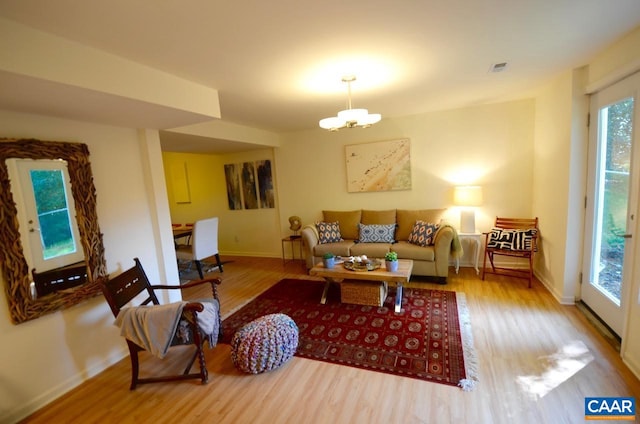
(15,270)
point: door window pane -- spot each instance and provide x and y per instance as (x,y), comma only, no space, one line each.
(52,208)
(616,122)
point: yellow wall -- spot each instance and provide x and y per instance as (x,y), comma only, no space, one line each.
(247,232)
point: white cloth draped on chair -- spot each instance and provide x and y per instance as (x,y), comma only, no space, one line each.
(153,326)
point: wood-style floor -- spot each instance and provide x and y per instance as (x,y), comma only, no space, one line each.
(520,336)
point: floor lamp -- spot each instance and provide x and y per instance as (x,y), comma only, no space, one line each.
(468,197)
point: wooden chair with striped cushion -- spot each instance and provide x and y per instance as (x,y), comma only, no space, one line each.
(515,238)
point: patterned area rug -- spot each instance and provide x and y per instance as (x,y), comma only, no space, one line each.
(429,340)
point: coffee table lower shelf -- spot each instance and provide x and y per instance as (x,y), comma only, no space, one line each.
(366,280)
(371,293)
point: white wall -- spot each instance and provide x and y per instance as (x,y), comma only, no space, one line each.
(46,357)
(59,62)
(560,177)
(625,55)
(559,181)
(615,61)
(489,145)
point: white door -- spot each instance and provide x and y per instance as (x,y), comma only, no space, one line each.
(46,212)
(612,201)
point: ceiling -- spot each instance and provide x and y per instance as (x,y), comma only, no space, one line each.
(277,65)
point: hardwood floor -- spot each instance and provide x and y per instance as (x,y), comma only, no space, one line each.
(516,331)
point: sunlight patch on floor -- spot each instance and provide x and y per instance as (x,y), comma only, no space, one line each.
(560,366)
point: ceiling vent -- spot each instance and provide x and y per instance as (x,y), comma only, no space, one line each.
(498,67)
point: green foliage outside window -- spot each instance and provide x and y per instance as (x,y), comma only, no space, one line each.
(53,213)
(619,124)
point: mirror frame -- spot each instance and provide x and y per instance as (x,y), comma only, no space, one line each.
(15,270)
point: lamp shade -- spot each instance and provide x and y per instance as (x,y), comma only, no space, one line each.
(467,196)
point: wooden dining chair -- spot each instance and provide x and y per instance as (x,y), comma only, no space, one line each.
(514,238)
(119,292)
(190,226)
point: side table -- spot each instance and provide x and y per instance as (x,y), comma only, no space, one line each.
(292,240)
(477,238)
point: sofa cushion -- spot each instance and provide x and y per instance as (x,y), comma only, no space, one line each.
(342,248)
(423,233)
(377,233)
(348,221)
(406,218)
(370,217)
(414,252)
(328,232)
(372,250)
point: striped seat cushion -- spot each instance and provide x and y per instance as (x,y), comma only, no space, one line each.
(500,238)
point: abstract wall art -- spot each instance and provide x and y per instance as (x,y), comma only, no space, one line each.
(232,176)
(250,185)
(265,184)
(249,192)
(379,166)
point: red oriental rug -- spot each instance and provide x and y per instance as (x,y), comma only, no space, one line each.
(430,339)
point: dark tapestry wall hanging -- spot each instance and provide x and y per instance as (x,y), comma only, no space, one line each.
(250,185)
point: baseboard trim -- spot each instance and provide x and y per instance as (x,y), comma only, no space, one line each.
(632,364)
(251,254)
(23,411)
(602,327)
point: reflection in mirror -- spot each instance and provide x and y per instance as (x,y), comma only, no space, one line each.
(17,279)
(46,213)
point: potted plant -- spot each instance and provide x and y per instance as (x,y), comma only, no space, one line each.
(391,261)
(328,259)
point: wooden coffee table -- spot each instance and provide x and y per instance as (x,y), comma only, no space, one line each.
(339,273)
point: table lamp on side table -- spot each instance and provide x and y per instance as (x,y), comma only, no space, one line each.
(468,197)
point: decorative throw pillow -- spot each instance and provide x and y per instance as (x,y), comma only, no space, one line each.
(377,233)
(500,238)
(406,218)
(423,233)
(329,232)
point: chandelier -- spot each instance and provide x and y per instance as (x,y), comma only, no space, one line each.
(350,118)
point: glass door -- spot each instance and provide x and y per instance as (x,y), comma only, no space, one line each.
(611,202)
(46,215)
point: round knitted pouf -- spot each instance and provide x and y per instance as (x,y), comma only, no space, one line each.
(264,344)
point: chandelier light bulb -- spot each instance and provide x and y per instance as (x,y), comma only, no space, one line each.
(350,118)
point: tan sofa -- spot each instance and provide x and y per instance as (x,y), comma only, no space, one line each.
(431,260)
